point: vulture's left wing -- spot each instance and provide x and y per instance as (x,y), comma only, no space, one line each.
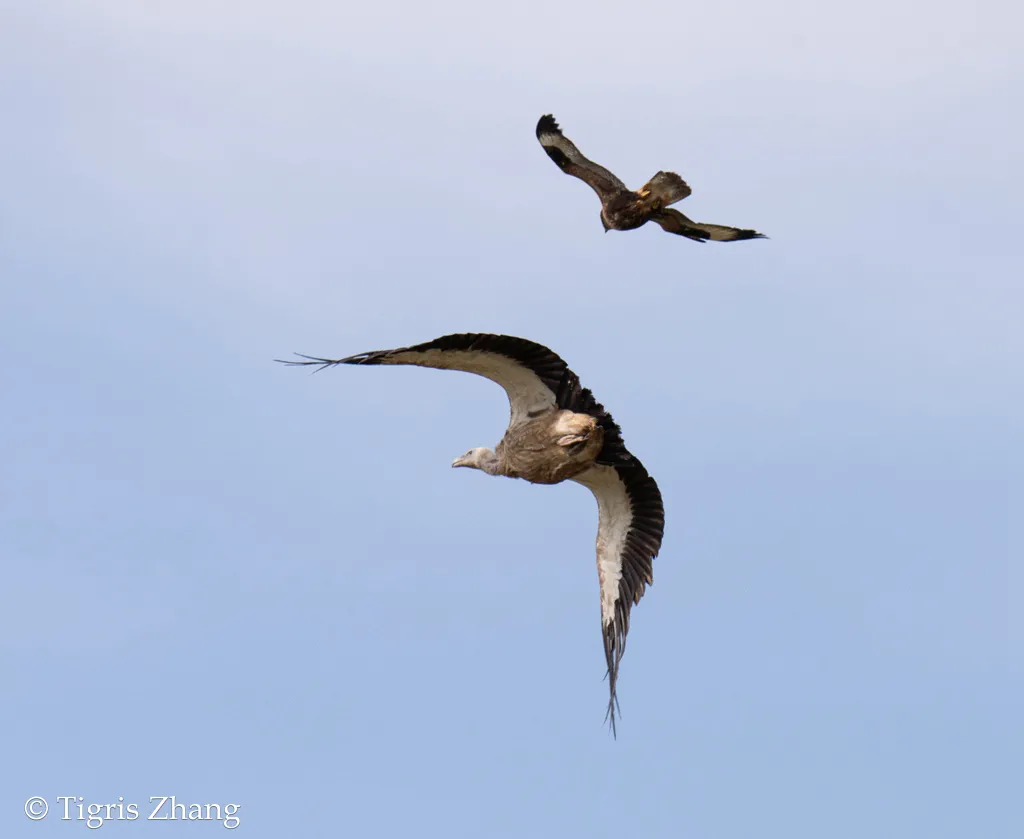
(535,378)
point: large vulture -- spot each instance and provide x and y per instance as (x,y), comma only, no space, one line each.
(557,432)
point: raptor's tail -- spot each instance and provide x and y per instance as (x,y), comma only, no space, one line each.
(663,189)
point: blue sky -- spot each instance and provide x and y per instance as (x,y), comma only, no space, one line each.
(233,582)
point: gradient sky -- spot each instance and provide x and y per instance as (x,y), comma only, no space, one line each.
(234,582)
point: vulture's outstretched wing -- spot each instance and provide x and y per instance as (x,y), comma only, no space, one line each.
(535,378)
(674,221)
(568,158)
(631,523)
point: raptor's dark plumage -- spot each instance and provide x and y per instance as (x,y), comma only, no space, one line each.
(626,209)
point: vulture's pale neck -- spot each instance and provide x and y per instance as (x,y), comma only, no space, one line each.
(483,459)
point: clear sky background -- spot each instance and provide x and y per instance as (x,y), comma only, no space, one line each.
(234,582)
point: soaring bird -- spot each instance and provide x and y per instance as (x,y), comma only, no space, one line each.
(624,209)
(557,431)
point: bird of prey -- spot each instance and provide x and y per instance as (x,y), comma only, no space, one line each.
(625,209)
(557,431)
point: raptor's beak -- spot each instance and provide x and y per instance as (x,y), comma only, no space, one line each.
(459,461)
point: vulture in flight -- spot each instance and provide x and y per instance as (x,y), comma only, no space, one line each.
(624,209)
(557,431)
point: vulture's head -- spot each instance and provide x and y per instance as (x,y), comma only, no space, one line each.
(483,459)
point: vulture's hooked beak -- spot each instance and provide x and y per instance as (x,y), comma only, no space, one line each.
(462,460)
